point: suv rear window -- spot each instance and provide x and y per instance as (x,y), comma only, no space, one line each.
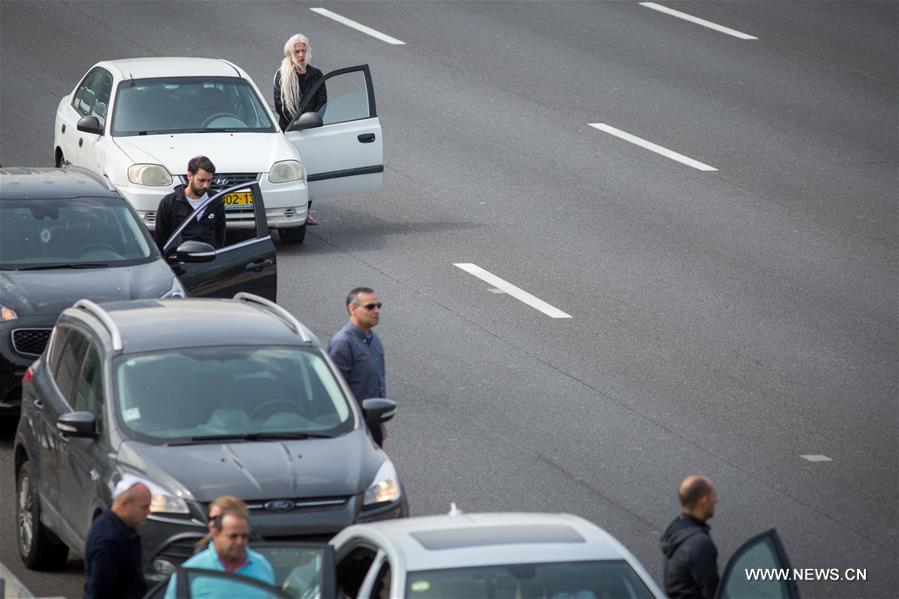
(37,234)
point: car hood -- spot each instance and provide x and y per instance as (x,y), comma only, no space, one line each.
(342,466)
(230,152)
(49,292)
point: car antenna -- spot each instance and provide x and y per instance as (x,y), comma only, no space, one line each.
(454,511)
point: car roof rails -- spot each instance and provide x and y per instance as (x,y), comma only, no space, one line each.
(98,178)
(288,318)
(104,317)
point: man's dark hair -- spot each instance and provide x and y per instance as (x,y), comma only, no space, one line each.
(218,521)
(200,162)
(698,488)
(351,297)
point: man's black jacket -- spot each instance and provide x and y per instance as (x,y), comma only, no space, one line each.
(112,560)
(691,559)
(174,209)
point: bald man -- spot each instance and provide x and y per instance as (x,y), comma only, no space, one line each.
(691,558)
(112,558)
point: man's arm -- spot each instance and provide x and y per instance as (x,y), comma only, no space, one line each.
(106,567)
(342,354)
(704,565)
(163,226)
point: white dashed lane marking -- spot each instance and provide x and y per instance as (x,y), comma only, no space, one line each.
(503,286)
(653,147)
(816,458)
(358,26)
(698,21)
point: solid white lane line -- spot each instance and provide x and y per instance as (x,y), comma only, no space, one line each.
(358,26)
(510,289)
(698,21)
(653,147)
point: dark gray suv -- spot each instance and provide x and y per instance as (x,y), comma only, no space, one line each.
(66,235)
(198,398)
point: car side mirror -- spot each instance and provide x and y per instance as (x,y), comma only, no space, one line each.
(78,424)
(194,251)
(378,410)
(90,124)
(307,120)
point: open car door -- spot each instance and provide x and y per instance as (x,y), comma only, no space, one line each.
(302,570)
(249,265)
(340,145)
(762,552)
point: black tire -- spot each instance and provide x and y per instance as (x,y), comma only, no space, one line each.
(38,547)
(293,235)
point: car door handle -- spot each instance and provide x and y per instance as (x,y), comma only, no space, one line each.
(63,127)
(80,141)
(257,266)
(366,138)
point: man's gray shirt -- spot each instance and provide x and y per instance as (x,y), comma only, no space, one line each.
(360,358)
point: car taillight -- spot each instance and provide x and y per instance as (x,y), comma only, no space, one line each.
(26,378)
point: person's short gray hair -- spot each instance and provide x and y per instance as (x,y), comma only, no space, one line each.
(353,295)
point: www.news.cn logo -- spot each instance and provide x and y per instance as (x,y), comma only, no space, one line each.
(806,574)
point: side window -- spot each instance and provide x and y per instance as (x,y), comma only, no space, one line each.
(54,351)
(69,363)
(89,385)
(84,95)
(104,90)
(351,570)
(92,96)
(347,98)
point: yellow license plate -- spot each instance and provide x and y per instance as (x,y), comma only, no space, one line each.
(243,199)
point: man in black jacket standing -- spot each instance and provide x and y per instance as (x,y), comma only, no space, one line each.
(691,558)
(176,207)
(113,564)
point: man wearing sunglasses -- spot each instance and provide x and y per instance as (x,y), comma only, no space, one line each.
(358,352)
(228,552)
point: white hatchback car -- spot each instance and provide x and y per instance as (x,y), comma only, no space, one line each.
(138,121)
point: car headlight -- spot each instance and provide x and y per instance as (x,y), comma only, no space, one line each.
(284,171)
(384,488)
(177,290)
(162,502)
(7,314)
(153,175)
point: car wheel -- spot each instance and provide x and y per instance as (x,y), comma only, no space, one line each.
(293,235)
(39,548)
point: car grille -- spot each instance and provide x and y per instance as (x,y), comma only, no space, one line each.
(221,181)
(30,342)
(180,548)
(289,505)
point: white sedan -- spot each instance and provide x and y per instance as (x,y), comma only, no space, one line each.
(138,121)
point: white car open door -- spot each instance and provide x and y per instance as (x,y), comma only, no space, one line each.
(340,145)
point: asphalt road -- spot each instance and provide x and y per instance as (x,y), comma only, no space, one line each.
(726,322)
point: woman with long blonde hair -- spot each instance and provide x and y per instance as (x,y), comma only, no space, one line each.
(294,80)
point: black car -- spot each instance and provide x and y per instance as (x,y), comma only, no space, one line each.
(198,398)
(65,235)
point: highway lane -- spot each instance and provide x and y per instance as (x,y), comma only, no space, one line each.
(724,322)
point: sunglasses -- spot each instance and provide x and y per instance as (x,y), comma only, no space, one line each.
(371,306)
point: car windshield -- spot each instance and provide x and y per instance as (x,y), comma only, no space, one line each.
(71,233)
(583,580)
(213,394)
(188,105)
